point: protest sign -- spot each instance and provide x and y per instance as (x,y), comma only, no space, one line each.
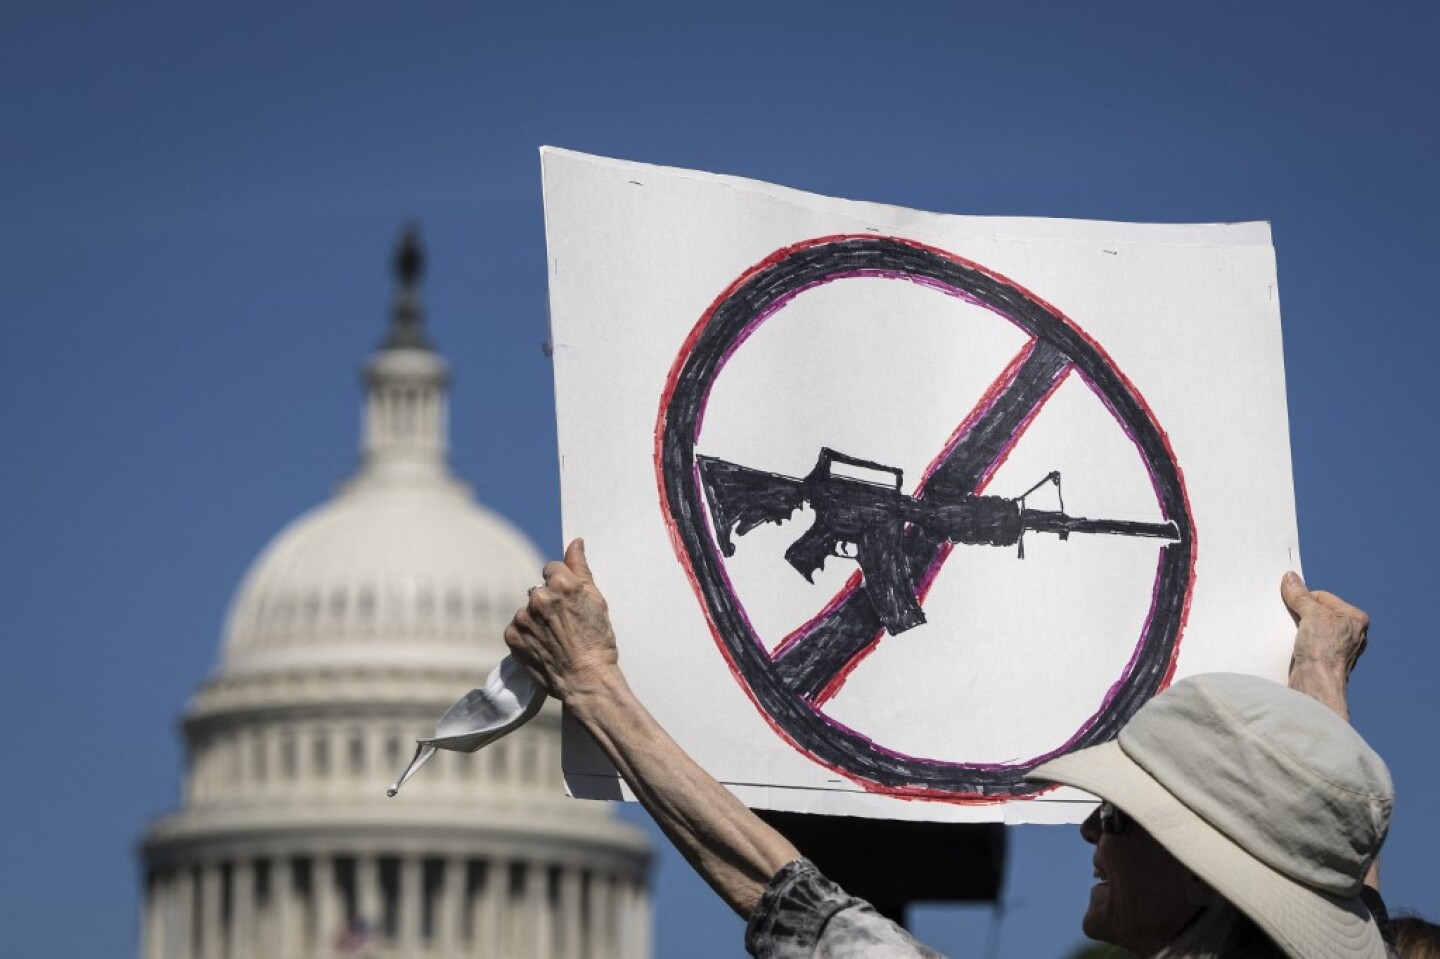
(892,506)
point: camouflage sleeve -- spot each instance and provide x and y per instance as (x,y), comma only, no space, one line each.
(803,914)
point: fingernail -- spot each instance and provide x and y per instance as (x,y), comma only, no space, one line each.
(1293,578)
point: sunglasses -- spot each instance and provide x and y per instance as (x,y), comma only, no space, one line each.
(1112,820)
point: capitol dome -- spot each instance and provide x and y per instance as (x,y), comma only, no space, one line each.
(408,571)
(352,631)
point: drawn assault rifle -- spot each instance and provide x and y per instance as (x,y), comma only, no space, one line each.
(870,518)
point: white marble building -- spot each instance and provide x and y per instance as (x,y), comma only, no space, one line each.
(352,631)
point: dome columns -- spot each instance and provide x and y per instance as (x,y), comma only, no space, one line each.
(406,414)
(411,905)
(329,755)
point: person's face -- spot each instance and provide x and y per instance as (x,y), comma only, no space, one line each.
(1144,897)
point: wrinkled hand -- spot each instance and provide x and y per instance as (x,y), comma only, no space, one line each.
(562,635)
(1330,633)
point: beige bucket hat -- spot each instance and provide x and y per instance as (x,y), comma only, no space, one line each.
(1272,799)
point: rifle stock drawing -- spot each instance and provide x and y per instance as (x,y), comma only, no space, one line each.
(870,518)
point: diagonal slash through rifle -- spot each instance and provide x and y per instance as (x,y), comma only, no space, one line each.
(865,520)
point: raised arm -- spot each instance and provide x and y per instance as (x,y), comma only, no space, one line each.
(564,638)
(1330,636)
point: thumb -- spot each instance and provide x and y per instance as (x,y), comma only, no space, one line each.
(575,559)
(1296,595)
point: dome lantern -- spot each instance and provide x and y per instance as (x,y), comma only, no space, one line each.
(406,385)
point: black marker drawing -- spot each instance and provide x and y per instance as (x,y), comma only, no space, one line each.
(790,683)
(870,518)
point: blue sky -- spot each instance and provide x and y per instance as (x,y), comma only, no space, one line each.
(198,208)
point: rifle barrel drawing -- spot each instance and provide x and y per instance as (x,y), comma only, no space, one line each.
(1043,521)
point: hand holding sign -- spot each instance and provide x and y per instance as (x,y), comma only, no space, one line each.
(563,635)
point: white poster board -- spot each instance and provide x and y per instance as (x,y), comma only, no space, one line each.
(987,385)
